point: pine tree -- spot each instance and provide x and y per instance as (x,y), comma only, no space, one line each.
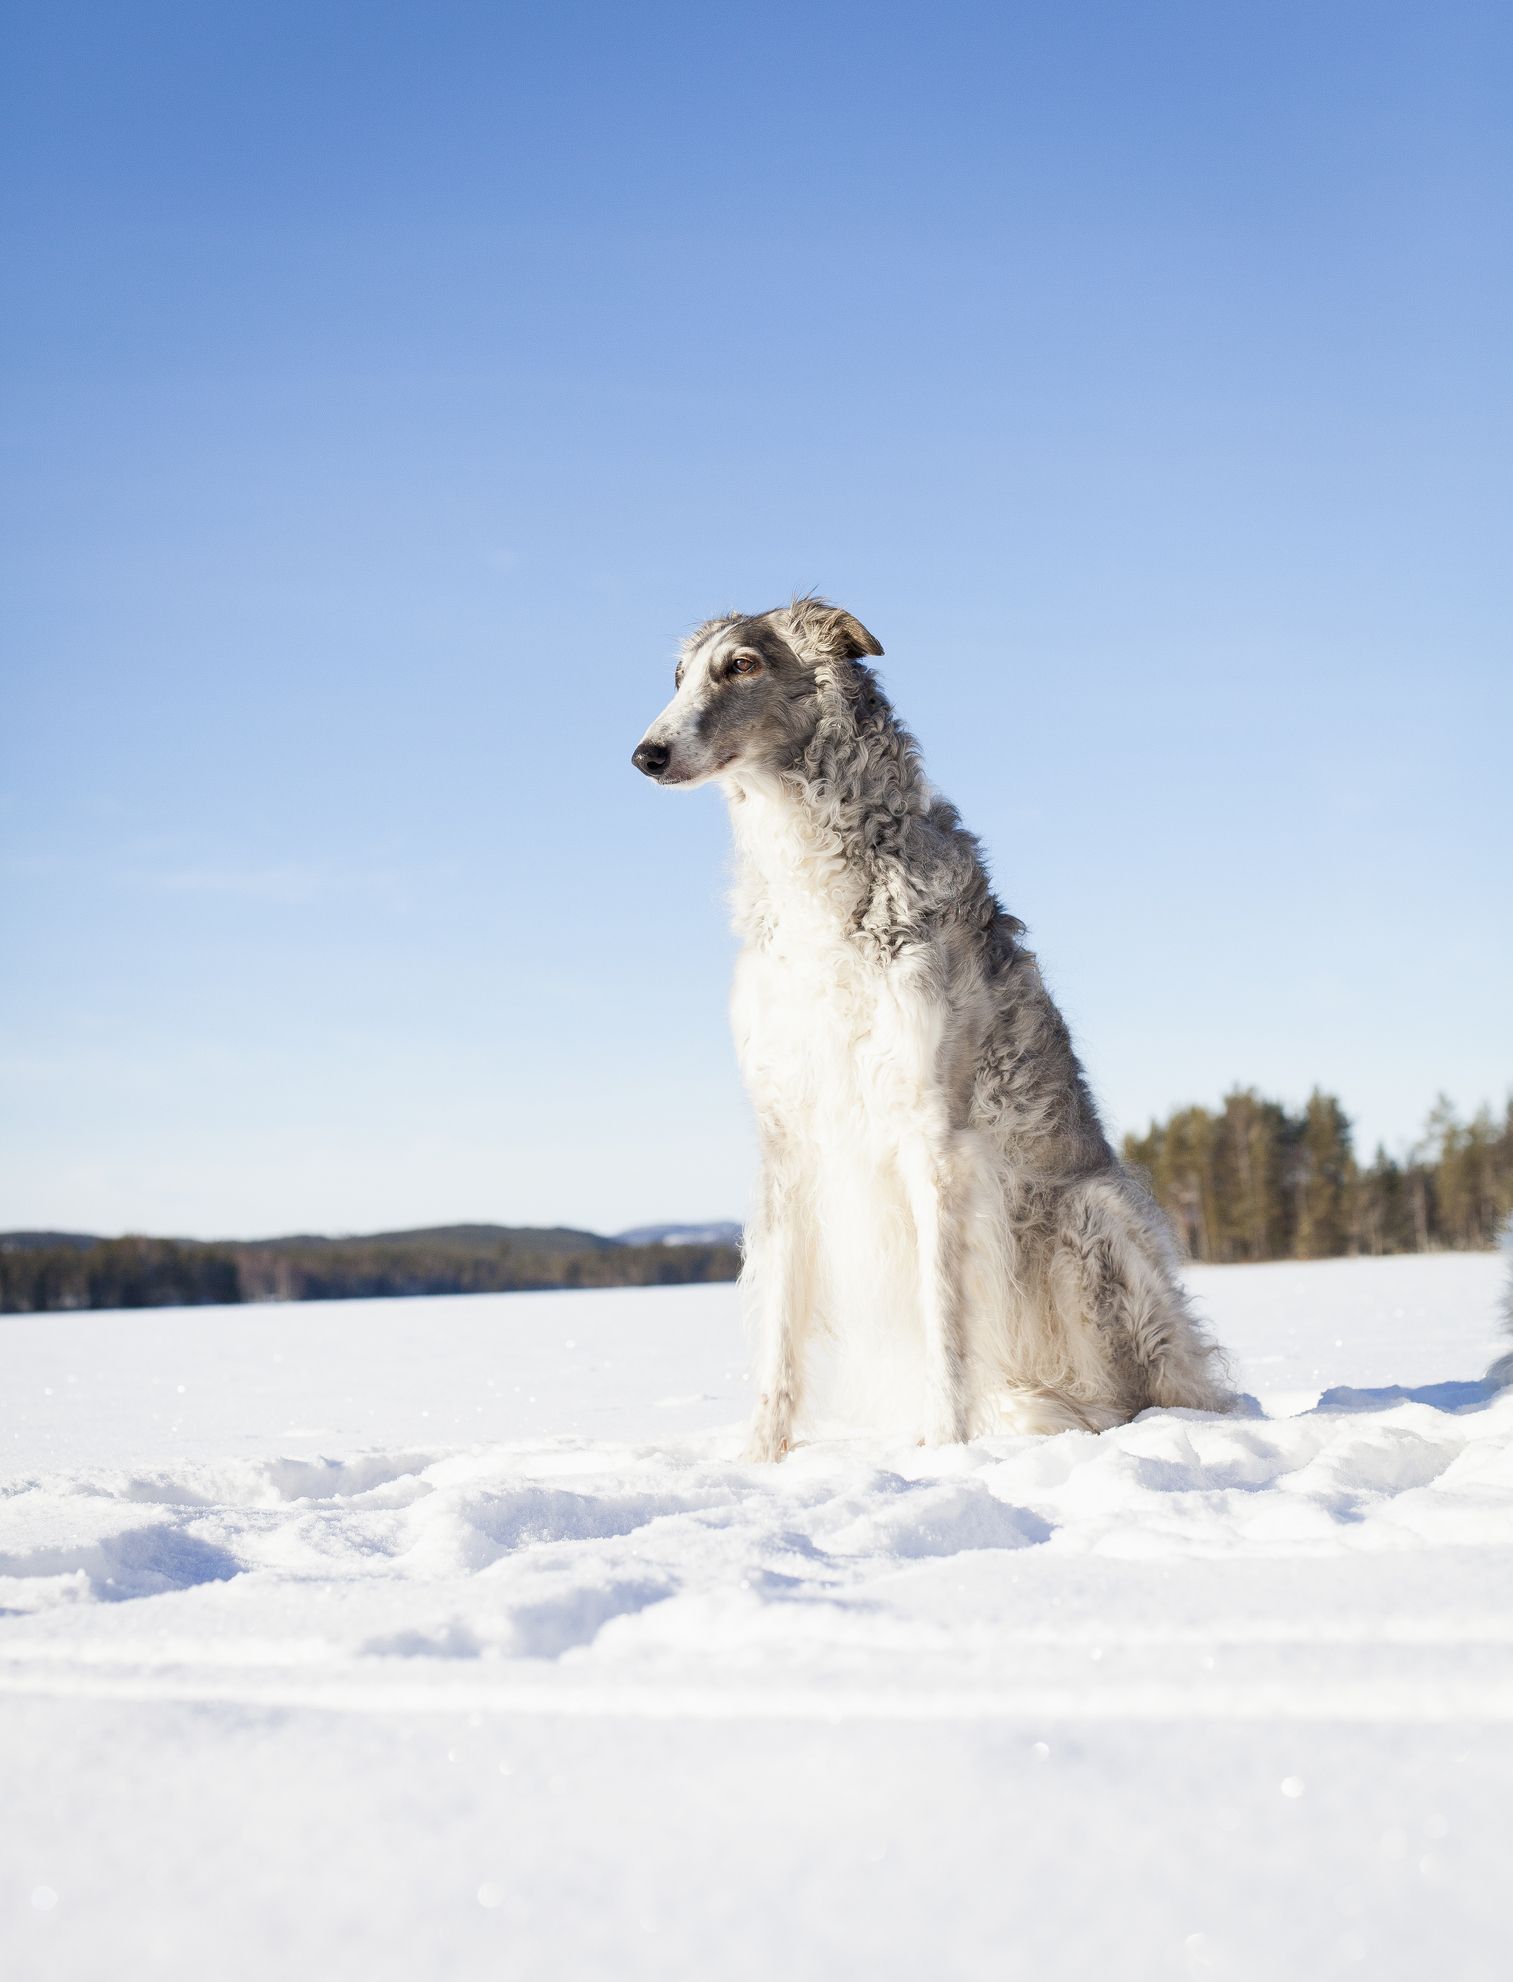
(1322,1176)
(1251,1208)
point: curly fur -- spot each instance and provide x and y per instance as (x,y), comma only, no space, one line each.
(938,1192)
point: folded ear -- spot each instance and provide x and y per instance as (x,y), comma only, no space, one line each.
(822,632)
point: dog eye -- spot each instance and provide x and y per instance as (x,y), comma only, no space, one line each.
(745,664)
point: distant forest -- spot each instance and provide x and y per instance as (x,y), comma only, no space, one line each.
(1250,1180)
(48,1270)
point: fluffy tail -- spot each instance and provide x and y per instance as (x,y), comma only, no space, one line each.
(1115,1273)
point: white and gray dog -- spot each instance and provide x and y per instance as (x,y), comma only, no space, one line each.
(934,1170)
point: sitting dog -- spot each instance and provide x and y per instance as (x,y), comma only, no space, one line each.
(928,1142)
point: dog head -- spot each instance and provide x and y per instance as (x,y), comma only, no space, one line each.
(748,689)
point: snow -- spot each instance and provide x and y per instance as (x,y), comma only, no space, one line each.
(723,1232)
(449,1638)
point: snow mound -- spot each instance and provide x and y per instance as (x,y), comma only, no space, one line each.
(544,1551)
(455,1637)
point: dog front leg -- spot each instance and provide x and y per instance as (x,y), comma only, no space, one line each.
(779,1273)
(935,1193)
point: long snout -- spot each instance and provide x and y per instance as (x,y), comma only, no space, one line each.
(668,752)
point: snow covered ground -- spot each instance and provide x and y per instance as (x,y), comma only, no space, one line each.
(448,1638)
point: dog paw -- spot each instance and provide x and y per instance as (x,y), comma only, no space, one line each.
(764,1450)
(771,1435)
(945,1428)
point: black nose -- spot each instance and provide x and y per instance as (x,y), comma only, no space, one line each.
(651,758)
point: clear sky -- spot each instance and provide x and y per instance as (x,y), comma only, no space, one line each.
(388,388)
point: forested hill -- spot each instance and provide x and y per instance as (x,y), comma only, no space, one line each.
(48,1270)
(1247,1180)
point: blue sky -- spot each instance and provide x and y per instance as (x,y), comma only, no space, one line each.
(389,387)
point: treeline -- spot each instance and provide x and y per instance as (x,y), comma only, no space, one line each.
(45,1271)
(1251,1180)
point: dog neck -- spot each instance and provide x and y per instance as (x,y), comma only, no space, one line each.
(817,836)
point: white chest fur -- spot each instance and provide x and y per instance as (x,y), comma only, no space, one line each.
(831,1038)
(839,1050)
